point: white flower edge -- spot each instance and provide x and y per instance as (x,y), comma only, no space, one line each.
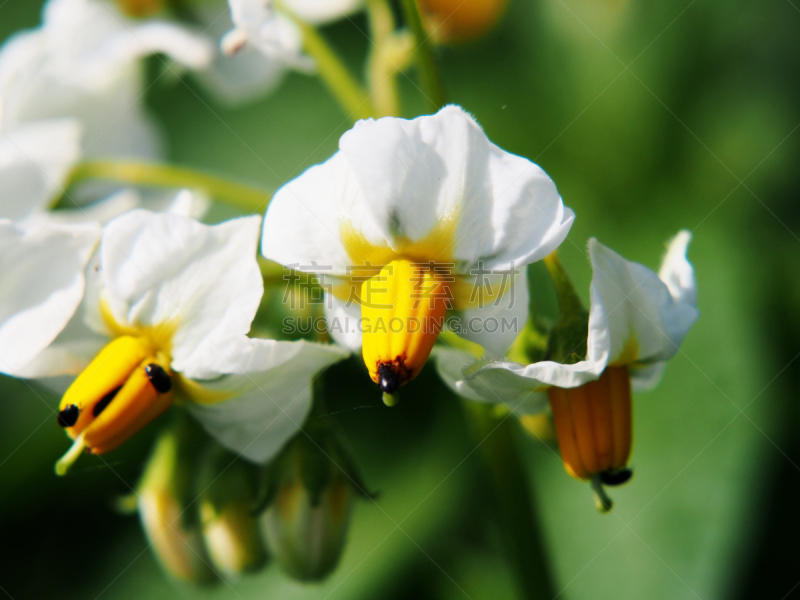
(637,318)
(256,24)
(317,13)
(42,269)
(88,42)
(452,363)
(395,181)
(270,404)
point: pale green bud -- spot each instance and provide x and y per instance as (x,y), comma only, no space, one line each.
(231,531)
(311,486)
(175,538)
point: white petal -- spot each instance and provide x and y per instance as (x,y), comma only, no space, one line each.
(646,324)
(497,323)
(273,34)
(450,364)
(90,42)
(396,182)
(301,226)
(648,376)
(81,339)
(521,395)
(317,11)
(168,268)
(34,161)
(43,283)
(238,73)
(677,272)
(274,396)
(343,322)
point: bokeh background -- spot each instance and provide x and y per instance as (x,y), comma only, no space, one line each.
(650,117)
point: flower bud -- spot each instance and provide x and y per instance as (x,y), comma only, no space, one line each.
(462,20)
(311,489)
(141,8)
(174,536)
(228,489)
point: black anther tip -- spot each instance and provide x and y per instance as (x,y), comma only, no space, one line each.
(68,416)
(159,378)
(389,380)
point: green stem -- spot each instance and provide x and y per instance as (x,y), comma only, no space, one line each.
(382,72)
(240,196)
(423,54)
(515,506)
(352,97)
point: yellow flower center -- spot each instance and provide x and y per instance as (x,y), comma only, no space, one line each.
(126,386)
(402,311)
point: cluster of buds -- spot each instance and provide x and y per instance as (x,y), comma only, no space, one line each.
(209,514)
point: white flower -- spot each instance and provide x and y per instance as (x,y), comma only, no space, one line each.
(429,206)
(637,319)
(264,26)
(78,79)
(166,312)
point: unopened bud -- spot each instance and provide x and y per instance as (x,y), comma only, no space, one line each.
(462,20)
(141,8)
(312,487)
(174,537)
(231,532)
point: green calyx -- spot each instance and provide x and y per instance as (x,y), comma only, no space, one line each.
(568,338)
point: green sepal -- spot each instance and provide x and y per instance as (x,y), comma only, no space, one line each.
(568,338)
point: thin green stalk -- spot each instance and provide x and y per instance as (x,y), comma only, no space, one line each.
(423,54)
(240,196)
(524,546)
(350,94)
(382,69)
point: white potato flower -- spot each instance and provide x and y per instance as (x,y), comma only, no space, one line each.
(637,321)
(268,28)
(164,316)
(72,88)
(411,219)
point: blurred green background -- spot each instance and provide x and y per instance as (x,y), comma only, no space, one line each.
(650,117)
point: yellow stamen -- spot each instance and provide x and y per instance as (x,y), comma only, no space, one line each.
(126,386)
(402,310)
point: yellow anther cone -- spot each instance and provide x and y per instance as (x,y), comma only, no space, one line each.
(402,310)
(125,387)
(593,424)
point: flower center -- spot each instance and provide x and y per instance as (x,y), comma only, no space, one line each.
(126,386)
(402,310)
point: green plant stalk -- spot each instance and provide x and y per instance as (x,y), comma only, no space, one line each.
(382,73)
(146,174)
(423,54)
(353,98)
(522,537)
